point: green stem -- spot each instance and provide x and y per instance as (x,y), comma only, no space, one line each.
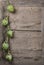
(8,27)
(9,52)
(7,17)
(7,39)
(8,2)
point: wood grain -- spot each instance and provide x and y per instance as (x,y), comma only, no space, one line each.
(42,28)
(31,3)
(26,46)
(26,18)
(25,42)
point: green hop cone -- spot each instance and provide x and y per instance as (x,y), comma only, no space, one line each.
(10,33)
(5,46)
(5,22)
(9,57)
(10,8)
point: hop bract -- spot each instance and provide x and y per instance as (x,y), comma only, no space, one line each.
(10,33)
(10,8)
(5,22)
(9,57)
(5,46)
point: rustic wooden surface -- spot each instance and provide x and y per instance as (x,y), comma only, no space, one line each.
(1,34)
(27,44)
(42,28)
(29,3)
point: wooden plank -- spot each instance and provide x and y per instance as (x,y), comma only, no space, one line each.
(26,18)
(25,42)
(26,47)
(27,2)
(23,61)
(42,29)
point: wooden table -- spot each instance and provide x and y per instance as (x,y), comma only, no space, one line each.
(27,46)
